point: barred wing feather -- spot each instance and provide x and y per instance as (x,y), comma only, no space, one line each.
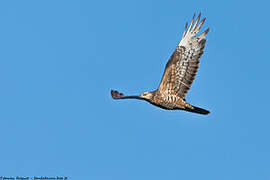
(182,66)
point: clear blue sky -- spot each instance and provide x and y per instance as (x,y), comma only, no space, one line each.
(59,60)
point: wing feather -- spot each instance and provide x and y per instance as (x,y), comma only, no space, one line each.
(183,65)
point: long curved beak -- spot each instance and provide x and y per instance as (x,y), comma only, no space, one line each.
(117,95)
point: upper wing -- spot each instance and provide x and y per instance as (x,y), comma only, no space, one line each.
(182,66)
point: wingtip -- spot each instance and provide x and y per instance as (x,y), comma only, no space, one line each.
(116,95)
(207,30)
(203,20)
(192,21)
(185,31)
(202,36)
(197,21)
(194,16)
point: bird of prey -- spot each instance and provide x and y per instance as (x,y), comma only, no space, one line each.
(179,73)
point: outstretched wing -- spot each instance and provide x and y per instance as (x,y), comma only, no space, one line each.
(182,66)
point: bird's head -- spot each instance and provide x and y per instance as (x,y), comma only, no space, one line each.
(147,95)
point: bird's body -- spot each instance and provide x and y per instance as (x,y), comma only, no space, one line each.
(179,73)
(167,101)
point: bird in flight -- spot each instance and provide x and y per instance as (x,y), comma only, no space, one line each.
(179,73)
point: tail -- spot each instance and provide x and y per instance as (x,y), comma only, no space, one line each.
(198,110)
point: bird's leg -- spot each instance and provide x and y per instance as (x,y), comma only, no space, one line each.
(182,104)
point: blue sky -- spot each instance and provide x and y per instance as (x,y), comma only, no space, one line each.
(59,60)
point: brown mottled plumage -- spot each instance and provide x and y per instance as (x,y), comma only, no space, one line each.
(179,73)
